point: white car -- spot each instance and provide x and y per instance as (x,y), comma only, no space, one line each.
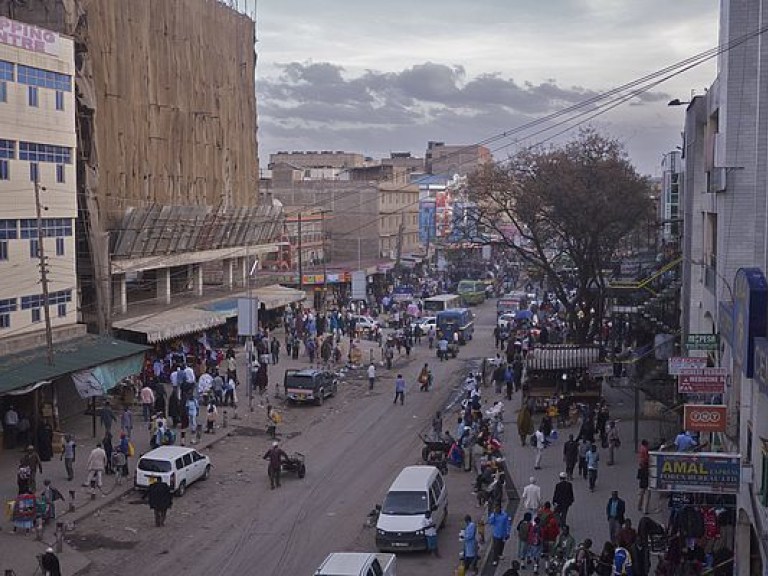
(364,323)
(177,466)
(506,321)
(425,322)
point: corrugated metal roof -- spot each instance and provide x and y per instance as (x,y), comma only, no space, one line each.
(562,357)
(19,370)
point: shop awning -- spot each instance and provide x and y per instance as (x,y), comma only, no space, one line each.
(562,357)
(29,368)
(175,322)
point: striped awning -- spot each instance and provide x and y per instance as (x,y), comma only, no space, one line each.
(562,357)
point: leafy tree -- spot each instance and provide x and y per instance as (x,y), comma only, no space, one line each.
(572,203)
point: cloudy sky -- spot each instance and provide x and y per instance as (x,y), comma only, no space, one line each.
(387,76)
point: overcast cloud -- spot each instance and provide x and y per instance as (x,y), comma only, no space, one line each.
(376,77)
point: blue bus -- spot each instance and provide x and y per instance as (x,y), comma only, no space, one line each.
(460,320)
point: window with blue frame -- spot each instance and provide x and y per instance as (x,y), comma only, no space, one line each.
(59,246)
(3,91)
(60,173)
(35,152)
(5,169)
(9,230)
(6,70)
(32,96)
(7,306)
(59,100)
(38,300)
(62,310)
(3,250)
(35,314)
(52,227)
(7,149)
(34,172)
(34,248)
(44,78)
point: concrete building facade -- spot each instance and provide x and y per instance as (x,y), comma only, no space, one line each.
(725,246)
(448,160)
(37,115)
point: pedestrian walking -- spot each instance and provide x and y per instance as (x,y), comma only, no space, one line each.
(643,475)
(399,389)
(570,456)
(31,459)
(614,510)
(531,497)
(126,421)
(593,458)
(524,424)
(49,563)
(276,457)
(563,498)
(539,443)
(107,416)
(430,533)
(583,449)
(68,455)
(274,349)
(371,376)
(160,499)
(533,550)
(469,536)
(522,536)
(97,464)
(613,440)
(501,526)
(147,401)
(425,378)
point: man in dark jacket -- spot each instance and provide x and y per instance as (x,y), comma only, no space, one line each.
(563,498)
(276,457)
(160,499)
(570,456)
(614,510)
(49,563)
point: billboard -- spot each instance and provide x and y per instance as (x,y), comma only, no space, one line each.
(709,342)
(704,417)
(702,381)
(427,223)
(705,472)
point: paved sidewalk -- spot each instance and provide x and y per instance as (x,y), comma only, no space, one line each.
(586,517)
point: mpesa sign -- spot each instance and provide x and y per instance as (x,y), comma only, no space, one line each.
(27,37)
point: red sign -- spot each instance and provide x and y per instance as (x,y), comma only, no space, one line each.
(704,418)
(702,381)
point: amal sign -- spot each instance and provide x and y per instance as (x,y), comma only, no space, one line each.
(706,472)
(702,381)
(704,417)
(676,364)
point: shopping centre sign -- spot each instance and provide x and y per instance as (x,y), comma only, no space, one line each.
(27,36)
(707,472)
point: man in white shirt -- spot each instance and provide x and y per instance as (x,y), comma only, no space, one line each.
(371,376)
(147,401)
(532,496)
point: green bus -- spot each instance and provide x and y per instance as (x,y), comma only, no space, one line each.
(472,292)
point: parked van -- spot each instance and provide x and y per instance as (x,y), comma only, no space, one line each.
(401,522)
(177,466)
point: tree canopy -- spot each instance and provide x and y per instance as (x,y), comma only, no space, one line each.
(574,202)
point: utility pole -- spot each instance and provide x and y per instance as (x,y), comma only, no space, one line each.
(43,275)
(301,267)
(325,259)
(400,230)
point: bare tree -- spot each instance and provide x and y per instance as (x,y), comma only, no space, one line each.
(571,203)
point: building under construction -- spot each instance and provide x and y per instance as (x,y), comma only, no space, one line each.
(167,162)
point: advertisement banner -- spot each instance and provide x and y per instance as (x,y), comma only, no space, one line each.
(705,472)
(704,417)
(702,381)
(676,364)
(359,285)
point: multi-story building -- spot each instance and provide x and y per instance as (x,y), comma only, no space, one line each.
(668,203)
(725,247)
(447,160)
(315,159)
(37,149)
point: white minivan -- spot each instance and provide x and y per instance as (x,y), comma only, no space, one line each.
(177,466)
(401,522)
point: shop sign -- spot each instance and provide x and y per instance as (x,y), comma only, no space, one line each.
(676,364)
(702,342)
(750,298)
(702,381)
(695,472)
(704,417)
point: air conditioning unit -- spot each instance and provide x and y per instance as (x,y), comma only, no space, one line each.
(716,180)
